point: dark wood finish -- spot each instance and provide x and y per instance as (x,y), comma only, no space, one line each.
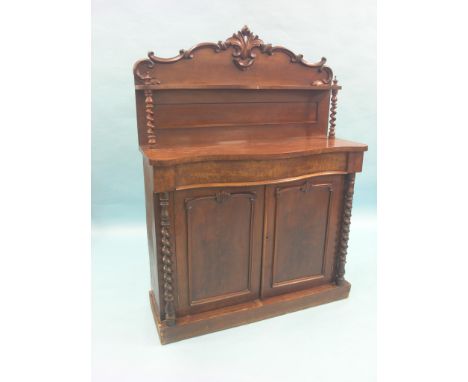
(166,252)
(151,224)
(334,100)
(149,115)
(254,148)
(248,191)
(301,221)
(217,64)
(345,223)
(241,314)
(219,246)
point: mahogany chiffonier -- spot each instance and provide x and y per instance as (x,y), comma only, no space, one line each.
(248,192)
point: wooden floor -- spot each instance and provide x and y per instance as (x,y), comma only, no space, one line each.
(203,323)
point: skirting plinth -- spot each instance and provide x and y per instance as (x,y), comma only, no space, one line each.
(236,315)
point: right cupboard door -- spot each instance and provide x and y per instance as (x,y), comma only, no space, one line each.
(301,232)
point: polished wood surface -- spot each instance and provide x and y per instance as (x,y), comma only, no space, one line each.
(219,246)
(250,149)
(249,172)
(241,60)
(248,191)
(300,233)
(245,313)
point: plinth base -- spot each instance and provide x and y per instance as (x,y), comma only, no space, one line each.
(245,313)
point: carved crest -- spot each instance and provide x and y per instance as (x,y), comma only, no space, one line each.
(243,43)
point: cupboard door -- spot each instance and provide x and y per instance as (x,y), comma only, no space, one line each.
(301,227)
(218,246)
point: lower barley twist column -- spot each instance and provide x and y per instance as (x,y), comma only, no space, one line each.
(169,311)
(346,221)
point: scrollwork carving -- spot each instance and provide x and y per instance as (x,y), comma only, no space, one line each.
(345,224)
(187,54)
(147,66)
(244,43)
(146,75)
(295,58)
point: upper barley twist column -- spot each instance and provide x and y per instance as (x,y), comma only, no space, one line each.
(149,110)
(169,311)
(346,221)
(334,99)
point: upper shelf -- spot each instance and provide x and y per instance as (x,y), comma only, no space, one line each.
(246,149)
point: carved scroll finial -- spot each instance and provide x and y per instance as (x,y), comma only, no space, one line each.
(169,311)
(334,99)
(346,221)
(149,115)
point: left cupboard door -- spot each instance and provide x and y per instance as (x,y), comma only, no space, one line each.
(218,247)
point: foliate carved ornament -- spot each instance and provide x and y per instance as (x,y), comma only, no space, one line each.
(243,43)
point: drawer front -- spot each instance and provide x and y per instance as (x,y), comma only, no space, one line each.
(301,227)
(258,171)
(218,246)
(230,173)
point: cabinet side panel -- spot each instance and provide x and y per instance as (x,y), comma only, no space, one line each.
(151,228)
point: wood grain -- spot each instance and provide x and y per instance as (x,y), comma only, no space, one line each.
(241,314)
(248,149)
(219,246)
(248,191)
(301,229)
(239,60)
